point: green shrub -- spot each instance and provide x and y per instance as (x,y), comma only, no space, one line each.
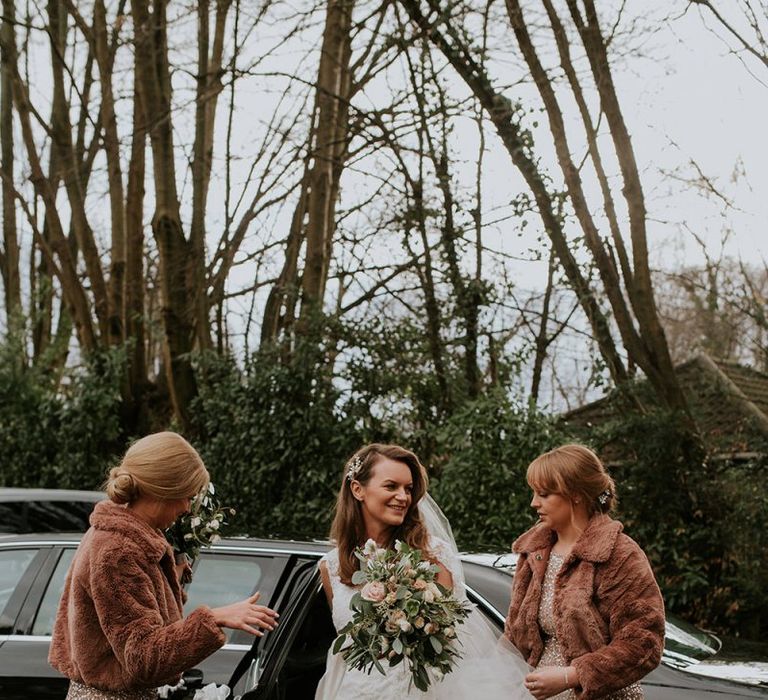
(274,442)
(487,446)
(60,434)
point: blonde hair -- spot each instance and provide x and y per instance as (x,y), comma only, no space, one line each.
(574,471)
(162,465)
(348,527)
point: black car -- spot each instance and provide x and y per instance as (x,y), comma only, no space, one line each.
(46,510)
(288,662)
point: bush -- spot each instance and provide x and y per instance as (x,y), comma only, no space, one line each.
(274,442)
(60,434)
(487,446)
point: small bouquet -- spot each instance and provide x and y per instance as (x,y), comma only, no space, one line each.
(401,613)
(200,527)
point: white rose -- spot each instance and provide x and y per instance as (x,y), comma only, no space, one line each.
(432,586)
(195,522)
(214,525)
(405,626)
(215,539)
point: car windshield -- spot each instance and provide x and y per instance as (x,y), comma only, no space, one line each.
(686,645)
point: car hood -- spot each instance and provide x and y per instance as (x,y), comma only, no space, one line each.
(750,672)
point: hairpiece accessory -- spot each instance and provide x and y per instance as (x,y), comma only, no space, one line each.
(604,496)
(354,467)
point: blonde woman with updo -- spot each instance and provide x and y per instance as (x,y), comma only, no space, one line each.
(586,611)
(119,631)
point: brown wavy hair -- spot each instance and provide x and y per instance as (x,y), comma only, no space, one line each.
(348,527)
(574,471)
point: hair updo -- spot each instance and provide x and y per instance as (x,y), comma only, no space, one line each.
(574,471)
(121,487)
(162,465)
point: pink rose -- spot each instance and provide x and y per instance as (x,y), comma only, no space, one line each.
(373,591)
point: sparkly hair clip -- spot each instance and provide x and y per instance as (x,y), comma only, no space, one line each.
(604,496)
(354,468)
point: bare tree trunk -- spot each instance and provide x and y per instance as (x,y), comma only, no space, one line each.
(333,91)
(9,256)
(209,87)
(133,297)
(542,338)
(62,138)
(58,247)
(176,255)
(114,174)
(659,367)
(286,286)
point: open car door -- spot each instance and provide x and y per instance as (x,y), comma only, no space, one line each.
(291,660)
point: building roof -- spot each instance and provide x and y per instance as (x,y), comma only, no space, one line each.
(729,403)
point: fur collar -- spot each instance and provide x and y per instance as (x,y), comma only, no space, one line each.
(595,544)
(111,517)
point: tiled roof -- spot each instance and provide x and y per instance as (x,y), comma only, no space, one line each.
(729,403)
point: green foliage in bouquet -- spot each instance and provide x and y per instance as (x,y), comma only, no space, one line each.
(200,527)
(401,614)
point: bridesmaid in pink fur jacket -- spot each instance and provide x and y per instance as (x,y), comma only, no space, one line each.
(586,610)
(119,631)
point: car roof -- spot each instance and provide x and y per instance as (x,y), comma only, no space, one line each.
(14,494)
(503,561)
(314,547)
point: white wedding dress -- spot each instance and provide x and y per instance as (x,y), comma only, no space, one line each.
(488,668)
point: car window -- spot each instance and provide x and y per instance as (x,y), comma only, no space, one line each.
(221,579)
(46,613)
(45,516)
(13,564)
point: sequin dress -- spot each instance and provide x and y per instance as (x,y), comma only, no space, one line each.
(78,691)
(553,652)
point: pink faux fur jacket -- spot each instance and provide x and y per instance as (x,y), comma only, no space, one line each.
(119,625)
(608,609)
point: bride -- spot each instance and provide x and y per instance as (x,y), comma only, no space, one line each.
(383,496)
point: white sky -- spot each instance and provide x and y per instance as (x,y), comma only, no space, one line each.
(706,101)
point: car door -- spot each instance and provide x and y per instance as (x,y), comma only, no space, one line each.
(221,575)
(224,575)
(259,675)
(25,569)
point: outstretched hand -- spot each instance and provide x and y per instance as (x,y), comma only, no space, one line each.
(247,616)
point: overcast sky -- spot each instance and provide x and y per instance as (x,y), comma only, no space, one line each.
(706,101)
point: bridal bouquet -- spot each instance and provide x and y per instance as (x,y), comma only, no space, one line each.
(401,614)
(200,527)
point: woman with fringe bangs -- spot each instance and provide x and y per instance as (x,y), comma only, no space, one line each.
(586,610)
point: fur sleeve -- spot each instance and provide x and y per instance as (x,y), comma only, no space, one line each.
(151,651)
(628,592)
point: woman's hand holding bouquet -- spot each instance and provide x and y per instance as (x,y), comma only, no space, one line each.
(401,613)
